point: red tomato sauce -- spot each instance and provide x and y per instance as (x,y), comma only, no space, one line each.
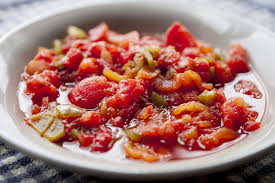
(130,96)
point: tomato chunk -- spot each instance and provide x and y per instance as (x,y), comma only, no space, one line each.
(89,66)
(222,73)
(128,92)
(237,59)
(103,140)
(89,92)
(72,59)
(99,32)
(248,88)
(179,37)
(43,85)
(217,138)
(41,62)
(90,119)
(234,112)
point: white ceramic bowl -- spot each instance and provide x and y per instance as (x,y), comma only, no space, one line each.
(20,45)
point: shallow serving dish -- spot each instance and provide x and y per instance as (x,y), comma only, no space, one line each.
(19,46)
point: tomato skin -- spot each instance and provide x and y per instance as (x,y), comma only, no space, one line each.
(251,126)
(237,59)
(89,92)
(99,32)
(248,88)
(90,119)
(72,59)
(179,37)
(218,137)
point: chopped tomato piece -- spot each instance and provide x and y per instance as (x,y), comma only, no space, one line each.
(248,88)
(179,37)
(72,59)
(146,112)
(191,52)
(167,85)
(251,126)
(237,59)
(122,39)
(37,66)
(99,32)
(88,66)
(234,112)
(42,85)
(222,73)
(168,57)
(45,54)
(90,119)
(218,137)
(128,92)
(145,152)
(84,139)
(103,140)
(89,92)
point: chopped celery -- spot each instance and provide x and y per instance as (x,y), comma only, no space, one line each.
(189,107)
(43,124)
(103,107)
(128,65)
(113,76)
(106,55)
(76,32)
(212,71)
(154,50)
(133,135)
(69,110)
(143,99)
(74,133)
(207,97)
(139,61)
(57,46)
(149,58)
(158,100)
(56,131)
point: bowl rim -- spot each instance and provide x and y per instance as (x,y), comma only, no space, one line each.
(214,167)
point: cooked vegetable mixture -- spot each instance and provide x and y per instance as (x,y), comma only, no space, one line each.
(155,94)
